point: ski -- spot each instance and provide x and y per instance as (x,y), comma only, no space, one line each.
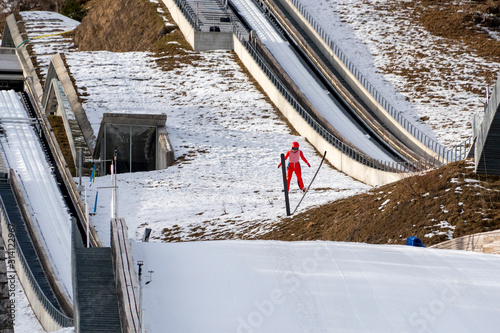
(283,170)
(308,187)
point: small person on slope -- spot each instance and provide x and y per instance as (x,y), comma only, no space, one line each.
(294,156)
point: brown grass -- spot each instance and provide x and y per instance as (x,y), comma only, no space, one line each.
(463,22)
(57,125)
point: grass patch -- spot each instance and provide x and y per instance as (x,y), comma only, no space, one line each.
(57,125)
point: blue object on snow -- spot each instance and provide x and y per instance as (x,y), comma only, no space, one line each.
(414,241)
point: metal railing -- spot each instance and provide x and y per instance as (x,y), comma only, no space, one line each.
(447,154)
(60,318)
(189,13)
(481,129)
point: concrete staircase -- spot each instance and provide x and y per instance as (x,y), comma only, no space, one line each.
(94,290)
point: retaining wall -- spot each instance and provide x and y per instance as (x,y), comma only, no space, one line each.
(485,242)
(199,40)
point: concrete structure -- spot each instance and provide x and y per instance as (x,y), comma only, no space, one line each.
(14,38)
(127,286)
(485,242)
(206,24)
(140,141)
(487,151)
(52,104)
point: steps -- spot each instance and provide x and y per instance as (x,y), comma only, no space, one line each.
(96,300)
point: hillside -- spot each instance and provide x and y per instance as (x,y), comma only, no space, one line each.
(451,200)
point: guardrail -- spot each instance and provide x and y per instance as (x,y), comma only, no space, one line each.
(189,13)
(127,286)
(456,153)
(481,128)
(27,275)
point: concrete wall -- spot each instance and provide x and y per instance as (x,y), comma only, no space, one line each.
(22,53)
(127,286)
(372,103)
(486,242)
(165,156)
(206,41)
(339,160)
(199,40)
(58,70)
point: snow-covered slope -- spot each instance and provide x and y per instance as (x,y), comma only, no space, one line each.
(268,286)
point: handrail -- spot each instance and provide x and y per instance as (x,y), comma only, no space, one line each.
(446,154)
(481,128)
(59,317)
(188,12)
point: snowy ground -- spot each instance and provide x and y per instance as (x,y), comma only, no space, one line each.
(228,139)
(226,135)
(265,286)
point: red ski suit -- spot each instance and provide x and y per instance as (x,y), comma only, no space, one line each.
(294,166)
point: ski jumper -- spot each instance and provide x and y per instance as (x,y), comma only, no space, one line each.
(294,166)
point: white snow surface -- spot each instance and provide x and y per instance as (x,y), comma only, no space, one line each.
(269,286)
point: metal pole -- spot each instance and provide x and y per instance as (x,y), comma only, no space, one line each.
(80,161)
(140,263)
(115,190)
(87,218)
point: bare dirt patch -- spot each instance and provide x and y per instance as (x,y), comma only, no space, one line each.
(464,21)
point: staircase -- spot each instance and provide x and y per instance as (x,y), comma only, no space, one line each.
(96,300)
